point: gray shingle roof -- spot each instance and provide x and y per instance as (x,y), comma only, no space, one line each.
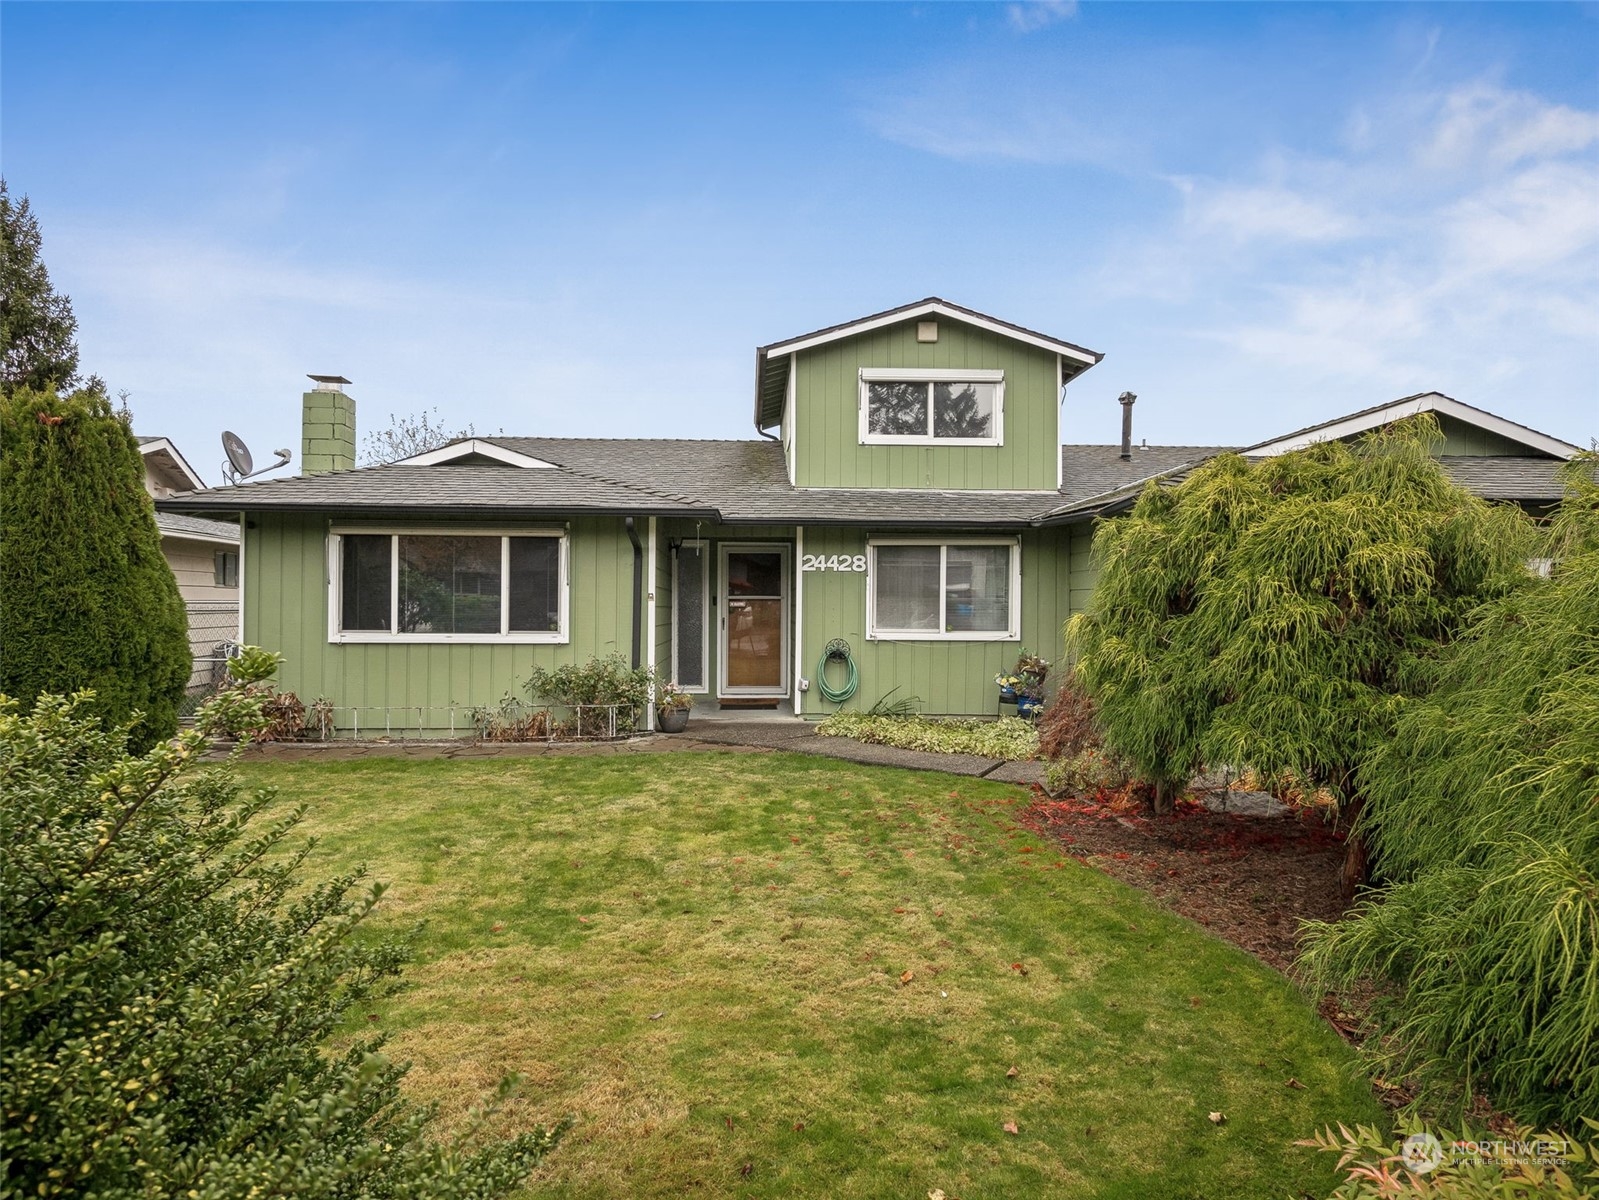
(744,482)
(455,488)
(1505,478)
(179,525)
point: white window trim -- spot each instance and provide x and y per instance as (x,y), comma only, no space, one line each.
(1012,634)
(930,376)
(704,548)
(392,637)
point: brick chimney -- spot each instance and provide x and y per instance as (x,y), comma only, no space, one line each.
(327,426)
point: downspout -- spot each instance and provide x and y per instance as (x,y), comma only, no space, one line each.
(638,590)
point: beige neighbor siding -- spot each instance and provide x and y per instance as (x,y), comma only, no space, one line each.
(953,677)
(286,609)
(829,452)
(194,565)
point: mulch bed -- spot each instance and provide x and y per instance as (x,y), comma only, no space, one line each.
(1251,880)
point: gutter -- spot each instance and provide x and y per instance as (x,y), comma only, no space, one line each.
(638,589)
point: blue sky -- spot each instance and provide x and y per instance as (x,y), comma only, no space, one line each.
(581,220)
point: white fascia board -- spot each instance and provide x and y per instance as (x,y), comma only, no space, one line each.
(474,447)
(165,446)
(174,535)
(1435,402)
(931,310)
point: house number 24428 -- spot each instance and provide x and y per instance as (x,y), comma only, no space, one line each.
(832,562)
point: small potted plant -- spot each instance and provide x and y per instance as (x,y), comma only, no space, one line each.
(1029,697)
(1023,682)
(671,708)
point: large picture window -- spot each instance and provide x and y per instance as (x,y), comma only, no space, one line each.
(932,407)
(953,591)
(456,587)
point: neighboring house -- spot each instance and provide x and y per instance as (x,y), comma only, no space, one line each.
(203,555)
(916,503)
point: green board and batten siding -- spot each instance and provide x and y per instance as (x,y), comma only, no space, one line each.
(951,677)
(286,609)
(829,453)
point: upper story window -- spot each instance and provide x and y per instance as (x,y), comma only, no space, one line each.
(457,587)
(943,407)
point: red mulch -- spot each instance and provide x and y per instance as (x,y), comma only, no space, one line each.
(1250,880)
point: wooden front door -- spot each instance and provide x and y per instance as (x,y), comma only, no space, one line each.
(754,602)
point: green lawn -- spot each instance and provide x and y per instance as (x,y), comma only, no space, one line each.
(766,906)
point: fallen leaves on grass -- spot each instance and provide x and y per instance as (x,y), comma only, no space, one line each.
(1217,1118)
(1018,968)
(906,977)
(1012,1073)
(1010,1128)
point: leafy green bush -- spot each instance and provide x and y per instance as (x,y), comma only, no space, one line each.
(1485,814)
(1010,738)
(1503,1167)
(170,985)
(86,598)
(599,682)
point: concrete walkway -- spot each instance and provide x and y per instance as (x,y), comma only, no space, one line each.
(755,735)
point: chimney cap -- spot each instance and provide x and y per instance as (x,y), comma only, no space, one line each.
(328,383)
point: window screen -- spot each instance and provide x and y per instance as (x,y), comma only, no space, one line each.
(366,580)
(688,616)
(535,599)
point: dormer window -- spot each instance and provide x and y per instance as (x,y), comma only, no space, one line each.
(926,407)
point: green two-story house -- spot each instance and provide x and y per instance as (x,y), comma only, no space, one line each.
(909,496)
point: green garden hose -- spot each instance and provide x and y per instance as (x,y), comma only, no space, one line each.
(837,649)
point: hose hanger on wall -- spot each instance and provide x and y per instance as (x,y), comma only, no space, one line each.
(837,650)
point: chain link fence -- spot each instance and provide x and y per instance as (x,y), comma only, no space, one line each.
(213,639)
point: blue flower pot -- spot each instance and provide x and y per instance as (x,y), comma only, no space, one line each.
(1028,707)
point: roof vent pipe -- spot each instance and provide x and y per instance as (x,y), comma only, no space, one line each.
(1126,401)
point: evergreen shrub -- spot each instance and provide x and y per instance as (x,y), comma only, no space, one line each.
(171,985)
(87,601)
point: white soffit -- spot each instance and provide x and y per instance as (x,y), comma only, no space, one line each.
(474,448)
(1434,402)
(164,447)
(932,308)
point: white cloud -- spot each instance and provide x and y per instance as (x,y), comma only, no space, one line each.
(1540,219)
(1485,123)
(1455,243)
(1033,15)
(1245,212)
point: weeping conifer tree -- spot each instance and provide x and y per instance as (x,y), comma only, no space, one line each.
(1274,614)
(1485,806)
(86,598)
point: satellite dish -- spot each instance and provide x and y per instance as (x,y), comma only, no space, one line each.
(238,453)
(240,465)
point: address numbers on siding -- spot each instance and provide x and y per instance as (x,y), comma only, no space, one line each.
(832,562)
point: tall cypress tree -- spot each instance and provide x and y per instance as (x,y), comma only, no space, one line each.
(86,599)
(38,333)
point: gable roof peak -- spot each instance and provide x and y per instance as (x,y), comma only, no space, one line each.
(1379,415)
(771,360)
